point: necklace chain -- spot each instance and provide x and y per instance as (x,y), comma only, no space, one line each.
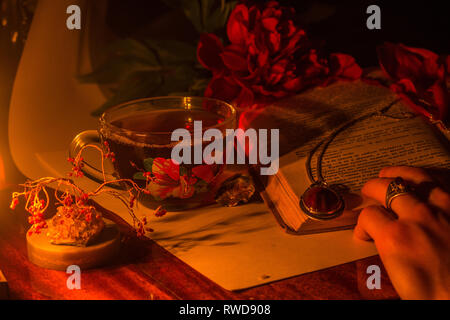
(326,142)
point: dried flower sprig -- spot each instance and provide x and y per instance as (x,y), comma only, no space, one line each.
(75,199)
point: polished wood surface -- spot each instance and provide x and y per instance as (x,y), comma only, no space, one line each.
(144,270)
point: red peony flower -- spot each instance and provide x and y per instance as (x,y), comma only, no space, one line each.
(268,57)
(165,171)
(419,76)
(167,181)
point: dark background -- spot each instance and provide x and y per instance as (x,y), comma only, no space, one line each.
(339,25)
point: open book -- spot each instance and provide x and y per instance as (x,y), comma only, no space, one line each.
(355,155)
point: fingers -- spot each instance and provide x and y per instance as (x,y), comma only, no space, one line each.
(424,184)
(405,206)
(415,175)
(373,221)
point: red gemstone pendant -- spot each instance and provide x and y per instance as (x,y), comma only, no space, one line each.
(321,202)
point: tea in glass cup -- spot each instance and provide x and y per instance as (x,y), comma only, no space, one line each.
(139,133)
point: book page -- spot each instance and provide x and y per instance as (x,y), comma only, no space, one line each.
(358,152)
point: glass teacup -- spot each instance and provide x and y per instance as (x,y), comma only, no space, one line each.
(139,133)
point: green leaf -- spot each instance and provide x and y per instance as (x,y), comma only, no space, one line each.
(199,86)
(179,94)
(192,10)
(172,51)
(135,86)
(174,4)
(206,7)
(202,13)
(140,69)
(139,176)
(217,19)
(115,70)
(127,56)
(177,79)
(148,164)
(133,48)
(207,15)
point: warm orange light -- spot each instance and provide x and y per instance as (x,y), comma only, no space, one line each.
(2,174)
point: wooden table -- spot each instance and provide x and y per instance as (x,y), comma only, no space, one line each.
(145,270)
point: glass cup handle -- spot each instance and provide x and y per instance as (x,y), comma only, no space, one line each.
(81,140)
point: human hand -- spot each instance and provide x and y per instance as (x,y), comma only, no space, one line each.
(413,239)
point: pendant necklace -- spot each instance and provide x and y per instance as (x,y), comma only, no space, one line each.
(320,201)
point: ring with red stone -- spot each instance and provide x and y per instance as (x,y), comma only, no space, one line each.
(320,202)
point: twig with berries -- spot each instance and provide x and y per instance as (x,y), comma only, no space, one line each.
(75,200)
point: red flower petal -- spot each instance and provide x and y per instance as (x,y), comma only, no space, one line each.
(275,41)
(204,172)
(237,25)
(294,42)
(293,84)
(165,170)
(419,74)
(245,98)
(399,61)
(344,66)
(186,189)
(208,52)
(277,72)
(270,24)
(223,88)
(234,61)
(438,96)
(404,85)
(447,62)
(269,57)
(237,49)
